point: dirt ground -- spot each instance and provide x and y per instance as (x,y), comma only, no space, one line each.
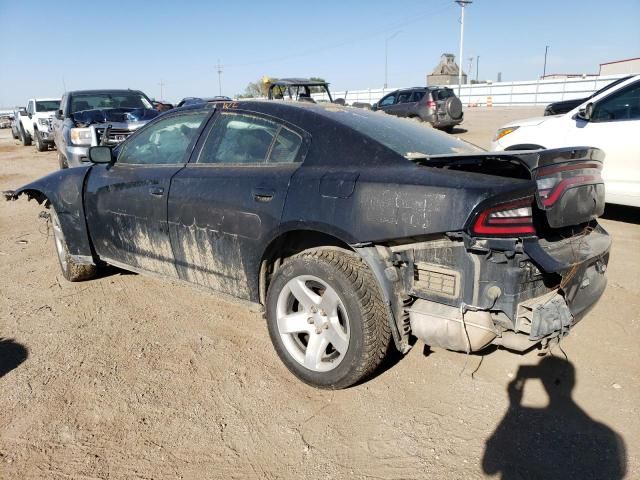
(132,377)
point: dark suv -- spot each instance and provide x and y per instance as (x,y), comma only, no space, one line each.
(436,105)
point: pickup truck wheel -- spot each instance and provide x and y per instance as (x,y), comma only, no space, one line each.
(40,145)
(14,135)
(25,138)
(72,270)
(62,162)
(326,318)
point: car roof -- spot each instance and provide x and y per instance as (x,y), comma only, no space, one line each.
(105,90)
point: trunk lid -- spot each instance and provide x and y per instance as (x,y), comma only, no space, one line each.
(569,187)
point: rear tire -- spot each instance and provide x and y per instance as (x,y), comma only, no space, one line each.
(25,138)
(326,318)
(40,145)
(71,270)
(14,135)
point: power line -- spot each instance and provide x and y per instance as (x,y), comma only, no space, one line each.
(355,39)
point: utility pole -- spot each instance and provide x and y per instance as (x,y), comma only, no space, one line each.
(386,57)
(544,69)
(462,3)
(162,84)
(219,78)
(477,66)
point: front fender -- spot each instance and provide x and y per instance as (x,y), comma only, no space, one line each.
(63,190)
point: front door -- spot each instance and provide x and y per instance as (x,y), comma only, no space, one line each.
(126,203)
(227,202)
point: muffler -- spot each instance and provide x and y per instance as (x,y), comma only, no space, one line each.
(443,326)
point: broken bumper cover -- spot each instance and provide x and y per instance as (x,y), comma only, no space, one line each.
(542,318)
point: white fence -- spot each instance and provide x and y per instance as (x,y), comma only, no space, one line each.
(534,92)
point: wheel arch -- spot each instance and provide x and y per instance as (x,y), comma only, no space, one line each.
(63,190)
(291,242)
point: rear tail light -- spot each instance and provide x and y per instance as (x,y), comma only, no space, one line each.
(551,188)
(430,102)
(512,218)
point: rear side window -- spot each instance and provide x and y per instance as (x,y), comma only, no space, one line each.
(417,95)
(245,139)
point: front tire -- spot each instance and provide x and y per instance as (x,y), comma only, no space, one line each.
(327,319)
(71,270)
(40,145)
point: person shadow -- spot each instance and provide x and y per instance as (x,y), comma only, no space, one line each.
(559,441)
(12,354)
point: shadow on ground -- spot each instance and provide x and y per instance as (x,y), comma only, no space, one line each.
(559,441)
(12,354)
(622,213)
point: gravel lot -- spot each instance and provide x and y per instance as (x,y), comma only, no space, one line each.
(132,377)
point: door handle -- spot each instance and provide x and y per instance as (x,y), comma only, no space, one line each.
(263,194)
(156,191)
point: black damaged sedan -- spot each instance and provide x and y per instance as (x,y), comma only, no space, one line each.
(353,229)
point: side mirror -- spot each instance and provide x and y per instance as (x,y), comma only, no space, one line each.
(59,115)
(586,112)
(101,154)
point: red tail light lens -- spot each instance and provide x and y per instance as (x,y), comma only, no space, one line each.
(431,104)
(513,218)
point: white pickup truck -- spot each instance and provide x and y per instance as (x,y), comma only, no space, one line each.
(36,124)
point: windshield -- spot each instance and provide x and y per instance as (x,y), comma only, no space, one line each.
(406,137)
(47,105)
(95,101)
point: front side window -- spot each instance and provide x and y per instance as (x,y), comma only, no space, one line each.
(245,139)
(404,97)
(621,105)
(163,143)
(389,100)
(47,105)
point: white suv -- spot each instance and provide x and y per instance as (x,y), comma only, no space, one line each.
(36,124)
(609,121)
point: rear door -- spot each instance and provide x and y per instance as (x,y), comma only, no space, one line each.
(614,128)
(228,201)
(126,203)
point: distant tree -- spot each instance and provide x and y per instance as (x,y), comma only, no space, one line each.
(259,88)
(317,89)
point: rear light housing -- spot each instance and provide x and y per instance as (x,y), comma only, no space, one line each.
(553,182)
(429,101)
(509,219)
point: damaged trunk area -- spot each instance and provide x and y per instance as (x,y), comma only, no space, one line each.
(528,265)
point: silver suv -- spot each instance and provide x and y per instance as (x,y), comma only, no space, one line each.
(436,105)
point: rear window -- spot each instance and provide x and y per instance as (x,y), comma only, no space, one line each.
(404,136)
(442,94)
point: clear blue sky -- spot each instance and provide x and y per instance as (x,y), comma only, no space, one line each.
(135,44)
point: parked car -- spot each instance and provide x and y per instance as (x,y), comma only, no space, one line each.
(609,121)
(564,106)
(97,117)
(352,229)
(437,105)
(15,121)
(36,124)
(195,100)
